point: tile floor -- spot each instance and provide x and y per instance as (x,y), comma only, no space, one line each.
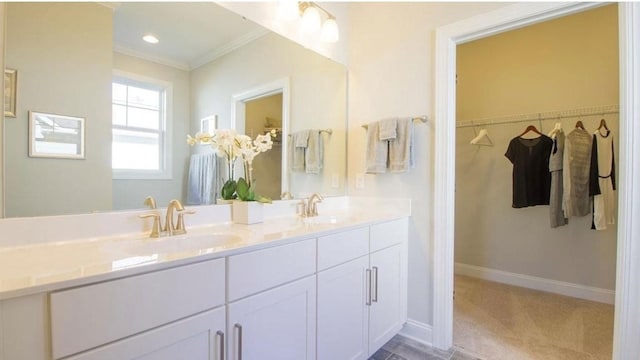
(402,348)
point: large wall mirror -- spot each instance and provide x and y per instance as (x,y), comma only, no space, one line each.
(140,100)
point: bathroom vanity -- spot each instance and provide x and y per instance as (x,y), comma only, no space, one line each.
(330,288)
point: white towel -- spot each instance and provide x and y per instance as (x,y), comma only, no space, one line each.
(201,187)
(401,148)
(377,150)
(314,153)
(387,129)
(301,138)
(298,152)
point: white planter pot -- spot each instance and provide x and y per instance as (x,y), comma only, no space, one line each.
(220,201)
(247,212)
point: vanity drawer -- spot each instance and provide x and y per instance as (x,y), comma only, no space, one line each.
(339,248)
(93,315)
(388,233)
(259,270)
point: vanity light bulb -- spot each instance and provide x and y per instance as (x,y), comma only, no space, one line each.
(151,39)
(288,10)
(330,32)
(311,20)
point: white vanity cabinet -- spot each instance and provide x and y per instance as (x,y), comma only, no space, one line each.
(361,292)
(200,337)
(272,309)
(339,296)
(89,316)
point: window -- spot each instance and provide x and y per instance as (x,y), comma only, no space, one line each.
(139,124)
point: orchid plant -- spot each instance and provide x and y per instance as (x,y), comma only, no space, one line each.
(231,146)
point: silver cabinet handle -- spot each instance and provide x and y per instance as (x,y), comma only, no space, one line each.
(374,297)
(239,328)
(368,284)
(220,336)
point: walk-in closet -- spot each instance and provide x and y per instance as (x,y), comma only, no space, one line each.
(536,153)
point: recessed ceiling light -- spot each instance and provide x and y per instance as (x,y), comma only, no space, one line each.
(151,39)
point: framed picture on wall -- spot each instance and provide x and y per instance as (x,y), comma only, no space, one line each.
(209,124)
(10,83)
(56,136)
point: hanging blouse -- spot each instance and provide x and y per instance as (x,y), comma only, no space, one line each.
(556,214)
(603,180)
(576,167)
(531,178)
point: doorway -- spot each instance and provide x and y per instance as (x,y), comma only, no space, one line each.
(261,116)
(554,73)
(515,16)
(258,111)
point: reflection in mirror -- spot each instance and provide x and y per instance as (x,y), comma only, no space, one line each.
(56,136)
(67,61)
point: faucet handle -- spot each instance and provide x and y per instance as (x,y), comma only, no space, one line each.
(180,227)
(156,228)
(301,208)
(150,202)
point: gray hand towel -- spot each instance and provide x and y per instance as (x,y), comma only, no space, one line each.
(314,152)
(401,148)
(387,129)
(298,152)
(377,150)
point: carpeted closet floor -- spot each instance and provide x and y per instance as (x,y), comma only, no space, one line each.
(501,322)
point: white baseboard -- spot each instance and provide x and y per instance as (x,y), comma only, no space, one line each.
(537,283)
(417,331)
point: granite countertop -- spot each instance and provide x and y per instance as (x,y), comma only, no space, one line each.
(37,268)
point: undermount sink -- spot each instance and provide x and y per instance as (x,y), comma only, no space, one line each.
(183,243)
(324,219)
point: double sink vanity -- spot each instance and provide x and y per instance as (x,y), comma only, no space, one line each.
(327,287)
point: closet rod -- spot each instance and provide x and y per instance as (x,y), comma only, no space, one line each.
(421,118)
(552,115)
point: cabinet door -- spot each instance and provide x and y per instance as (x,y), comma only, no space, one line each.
(386,311)
(275,324)
(196,338)
(343,314)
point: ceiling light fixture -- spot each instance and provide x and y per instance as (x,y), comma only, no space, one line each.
(312,20)
(151,39)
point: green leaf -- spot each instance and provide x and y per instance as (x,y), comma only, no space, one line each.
(245,193)
(229,189)
(263,199)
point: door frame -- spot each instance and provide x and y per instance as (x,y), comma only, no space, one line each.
(626,328)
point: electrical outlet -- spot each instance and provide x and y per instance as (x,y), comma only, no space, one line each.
(335,181)
(359,181)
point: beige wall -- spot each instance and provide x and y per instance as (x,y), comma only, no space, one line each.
(50,45)
(391,61)
(266,166)
(318,97)
(129,194)
(568,63)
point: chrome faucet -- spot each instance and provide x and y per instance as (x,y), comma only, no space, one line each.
(169,225)
(312,204)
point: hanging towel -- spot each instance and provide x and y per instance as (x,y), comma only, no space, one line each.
(202,179)
(388,129)
(401,157)
(377,150)
(313,156)
(298,146)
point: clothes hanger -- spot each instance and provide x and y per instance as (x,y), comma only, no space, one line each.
(603,124)
(530,128)
(556,129)
(482,134)
(579,125)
